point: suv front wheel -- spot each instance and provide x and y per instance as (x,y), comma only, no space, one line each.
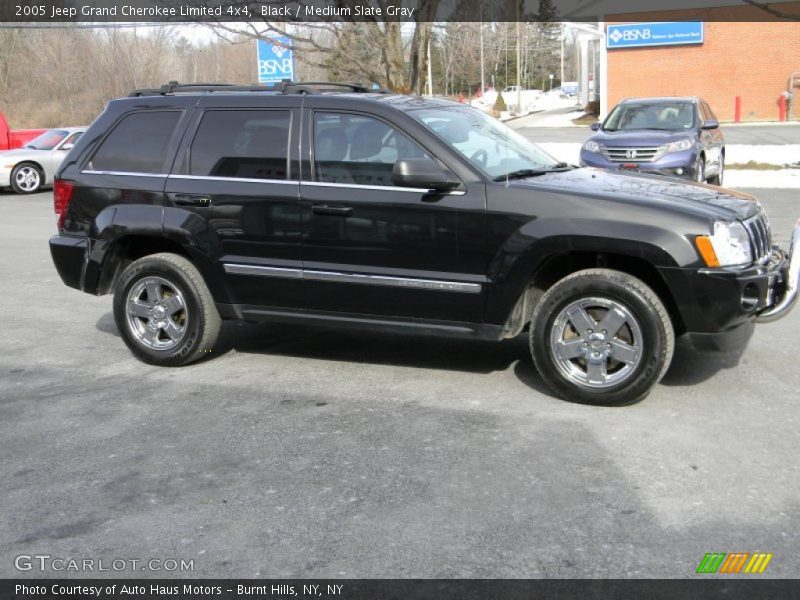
(164,310)
(601,336)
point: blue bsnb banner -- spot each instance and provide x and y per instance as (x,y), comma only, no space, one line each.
(275,60)
(636,35)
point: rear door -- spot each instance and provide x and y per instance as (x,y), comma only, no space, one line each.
(236,171)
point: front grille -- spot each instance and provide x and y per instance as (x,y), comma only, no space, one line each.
(760,236)
(631,154)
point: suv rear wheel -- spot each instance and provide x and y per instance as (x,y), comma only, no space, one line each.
(601,336)
(164,310)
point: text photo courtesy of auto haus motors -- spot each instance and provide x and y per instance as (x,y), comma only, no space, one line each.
(375,298)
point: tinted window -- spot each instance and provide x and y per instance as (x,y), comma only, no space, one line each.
(138,144)
(358,149)
(243,143)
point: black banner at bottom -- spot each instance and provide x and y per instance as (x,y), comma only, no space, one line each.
(399,589)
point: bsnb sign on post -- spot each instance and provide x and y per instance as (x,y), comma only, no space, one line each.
(636,35)
(275,60)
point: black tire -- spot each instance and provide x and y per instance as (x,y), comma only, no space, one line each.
(36,178)
(188,324)
(719,177)
(700,170)
(646,338)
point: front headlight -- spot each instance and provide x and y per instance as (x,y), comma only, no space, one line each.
(728,246)
(677,146)
(592,146)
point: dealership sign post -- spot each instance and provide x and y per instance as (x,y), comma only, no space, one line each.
(275,60)
(637,35)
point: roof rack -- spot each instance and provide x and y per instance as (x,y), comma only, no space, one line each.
(282,87)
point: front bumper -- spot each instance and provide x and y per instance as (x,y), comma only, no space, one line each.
(674,164)
(788,298)
(5,177)
(720,306)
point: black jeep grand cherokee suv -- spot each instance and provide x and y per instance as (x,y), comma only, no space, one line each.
(332,204)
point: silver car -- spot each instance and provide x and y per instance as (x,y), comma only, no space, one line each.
(26,170)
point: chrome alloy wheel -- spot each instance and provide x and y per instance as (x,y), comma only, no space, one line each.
(156,312)
(596,342)
(28,179)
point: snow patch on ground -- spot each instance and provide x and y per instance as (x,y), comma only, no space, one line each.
(785,178)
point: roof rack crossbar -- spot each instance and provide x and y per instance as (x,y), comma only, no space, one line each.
(284,87)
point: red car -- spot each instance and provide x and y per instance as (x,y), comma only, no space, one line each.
(10,139)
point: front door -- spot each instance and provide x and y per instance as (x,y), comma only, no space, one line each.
(370,247)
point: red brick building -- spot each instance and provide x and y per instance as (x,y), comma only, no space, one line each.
(752,59)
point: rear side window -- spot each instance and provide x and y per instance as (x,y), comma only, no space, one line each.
(138,144)
(249,144)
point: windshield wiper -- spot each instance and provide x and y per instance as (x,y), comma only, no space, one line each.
(523,173)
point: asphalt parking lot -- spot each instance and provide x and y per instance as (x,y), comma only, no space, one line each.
(301,452)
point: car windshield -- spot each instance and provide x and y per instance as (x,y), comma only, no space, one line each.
(48,140)
(666,116)
(485,141)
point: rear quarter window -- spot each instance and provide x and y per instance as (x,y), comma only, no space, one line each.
(137,144)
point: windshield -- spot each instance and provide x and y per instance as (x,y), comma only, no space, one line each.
(484,141)
(48,140)
(667,116)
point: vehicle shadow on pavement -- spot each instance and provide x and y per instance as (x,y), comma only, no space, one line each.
(475,356)
(690,366)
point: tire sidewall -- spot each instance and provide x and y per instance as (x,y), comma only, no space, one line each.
(181,353)
(18,189)
(700,170)
(635,386)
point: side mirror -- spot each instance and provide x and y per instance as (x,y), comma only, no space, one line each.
(422,173)
(595,126)
(710,124)
(68,146)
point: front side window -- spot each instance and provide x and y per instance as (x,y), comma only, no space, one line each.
(73,139)
(659,116)
(357,149)
(138,144)
(249,144)
(484,141)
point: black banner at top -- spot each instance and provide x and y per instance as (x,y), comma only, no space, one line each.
(40,12)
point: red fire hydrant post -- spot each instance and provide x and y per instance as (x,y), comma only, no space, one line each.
(782,107)
(737,110)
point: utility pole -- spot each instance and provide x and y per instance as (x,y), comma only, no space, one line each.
(519,63)
(483,82)
(563,32)
(430,69)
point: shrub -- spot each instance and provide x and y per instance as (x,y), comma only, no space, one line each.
(499,104)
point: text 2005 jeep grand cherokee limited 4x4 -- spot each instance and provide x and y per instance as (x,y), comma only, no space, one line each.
(330,204)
